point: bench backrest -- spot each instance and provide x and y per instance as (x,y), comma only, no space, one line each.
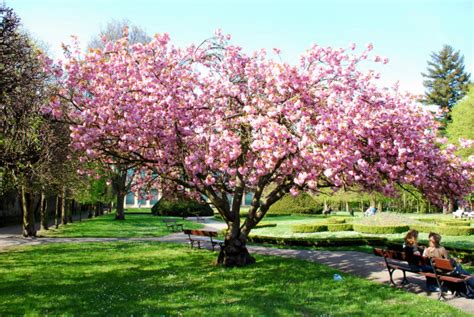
(203,233)
(444,265)
(379,252)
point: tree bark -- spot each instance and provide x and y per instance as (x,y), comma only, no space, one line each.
(121,182)
(26,203)
(234,252)
(44,212)
(58,211)
(63,207)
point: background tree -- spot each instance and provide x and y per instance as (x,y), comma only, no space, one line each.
(446,81)
(23,88)
(462,124)
(210,120)
(114,31)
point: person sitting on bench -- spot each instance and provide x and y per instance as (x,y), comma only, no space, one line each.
(435,250)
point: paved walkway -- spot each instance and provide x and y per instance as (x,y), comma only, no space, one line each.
(361,264)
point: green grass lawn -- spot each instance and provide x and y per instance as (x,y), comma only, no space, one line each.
(147,278)
(106,226)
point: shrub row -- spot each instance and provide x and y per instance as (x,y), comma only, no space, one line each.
(380,229)
(335,220)
(445,230)
(340,227)
(309,228)
(265,225)
(454,222)
(322,242)
(322,227)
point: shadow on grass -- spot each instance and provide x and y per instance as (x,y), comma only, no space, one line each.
(165,279)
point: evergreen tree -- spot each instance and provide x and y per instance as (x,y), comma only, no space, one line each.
(446,81)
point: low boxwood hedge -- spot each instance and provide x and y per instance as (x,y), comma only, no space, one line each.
(335,220)
(340,227)
(309,228)
(321,242)
(445,230)
(265,225)
(454,222)
(380,229)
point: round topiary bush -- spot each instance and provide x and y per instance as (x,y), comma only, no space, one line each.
(340,227)
(309,228)
(381,229)
(181,207)
(301,204)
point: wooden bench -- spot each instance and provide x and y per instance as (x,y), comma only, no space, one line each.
(442,272)
(441,268)
(173,224)
(396,260)
(195,236)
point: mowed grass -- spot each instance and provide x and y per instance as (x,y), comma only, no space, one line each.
(134,226)
(151,278)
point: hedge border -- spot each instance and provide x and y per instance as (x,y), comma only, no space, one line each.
(362,228)
(292,241)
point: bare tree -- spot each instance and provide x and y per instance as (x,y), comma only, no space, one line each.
(114,31)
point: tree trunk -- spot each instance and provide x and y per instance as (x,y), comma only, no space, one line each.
(121,192)
(26,203)
(69,210)
(44,212)
(58,211)
(234,252)
(347,206)
(63,207)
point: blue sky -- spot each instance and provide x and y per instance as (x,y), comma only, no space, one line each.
(404,31)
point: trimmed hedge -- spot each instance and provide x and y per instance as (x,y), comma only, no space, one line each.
(301,204)
(380,229)
(340,227)
(445,230)
(265,225)
(454,222)
(335,220)
(182,207)
(309,228)
(320,242)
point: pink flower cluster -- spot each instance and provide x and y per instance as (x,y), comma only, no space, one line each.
(211,117)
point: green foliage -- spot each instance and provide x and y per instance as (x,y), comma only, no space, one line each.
(181,207)
(387,229)
(157,279)
(340,227)
(446,81)
(301,204)
(462,123)
(309,228)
